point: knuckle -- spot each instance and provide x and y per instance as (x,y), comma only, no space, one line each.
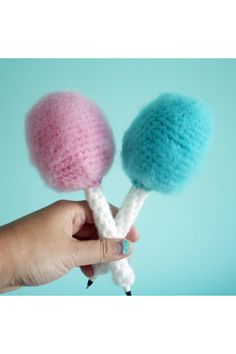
(61,203)
(104,250)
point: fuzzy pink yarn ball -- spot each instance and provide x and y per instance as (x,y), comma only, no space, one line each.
(69,140)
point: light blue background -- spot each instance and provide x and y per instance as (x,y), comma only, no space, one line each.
(188,241)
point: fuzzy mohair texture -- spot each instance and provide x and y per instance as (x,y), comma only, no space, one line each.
(69,140)
(166,143)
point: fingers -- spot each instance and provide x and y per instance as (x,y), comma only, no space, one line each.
(83,222)
(133,234)
(87,270)
(88,231)
(82,207)
(100,251)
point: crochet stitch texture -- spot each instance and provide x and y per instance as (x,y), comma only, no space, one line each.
(166,142)
(70,141)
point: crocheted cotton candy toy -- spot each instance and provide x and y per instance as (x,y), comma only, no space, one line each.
(72,145)
(70,141)
(161,150)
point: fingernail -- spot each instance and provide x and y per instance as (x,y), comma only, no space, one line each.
(123,247)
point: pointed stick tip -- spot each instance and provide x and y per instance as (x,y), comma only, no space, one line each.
(128,293)
(89,283)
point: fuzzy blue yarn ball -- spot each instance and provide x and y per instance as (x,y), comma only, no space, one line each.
(166,143)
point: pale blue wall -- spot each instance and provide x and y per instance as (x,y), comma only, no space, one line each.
(188,242)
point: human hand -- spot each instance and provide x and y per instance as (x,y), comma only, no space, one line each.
(46,244)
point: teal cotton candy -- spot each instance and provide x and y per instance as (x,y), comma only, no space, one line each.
(166,143)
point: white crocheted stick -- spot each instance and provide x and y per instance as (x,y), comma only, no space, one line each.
(122,273)
(101,212)
(129,210)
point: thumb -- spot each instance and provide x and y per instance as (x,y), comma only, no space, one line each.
(101,251)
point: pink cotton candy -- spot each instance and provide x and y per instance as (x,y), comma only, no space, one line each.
(70,141)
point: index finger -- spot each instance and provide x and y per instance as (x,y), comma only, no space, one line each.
(82,207)
(133,234)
